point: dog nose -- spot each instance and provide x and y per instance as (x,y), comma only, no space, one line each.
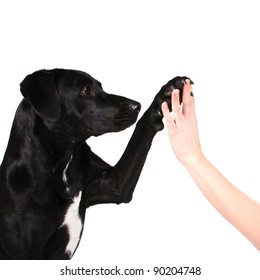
(136,107)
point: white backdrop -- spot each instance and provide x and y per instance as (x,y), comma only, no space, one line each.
(133,48)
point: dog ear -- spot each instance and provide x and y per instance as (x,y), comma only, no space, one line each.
(39,88)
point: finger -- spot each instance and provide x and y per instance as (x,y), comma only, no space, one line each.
(176,107)
(187,92)
(187,97)
(166,113)
(169,121)
(192,103)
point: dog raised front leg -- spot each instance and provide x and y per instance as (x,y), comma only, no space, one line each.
(117,183)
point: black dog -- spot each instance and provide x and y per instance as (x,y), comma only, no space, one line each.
(49,175)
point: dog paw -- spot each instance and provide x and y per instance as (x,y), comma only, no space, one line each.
(164,95)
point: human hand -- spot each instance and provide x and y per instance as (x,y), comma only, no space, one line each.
(182,126)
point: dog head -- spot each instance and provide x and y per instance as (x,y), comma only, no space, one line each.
(71,102)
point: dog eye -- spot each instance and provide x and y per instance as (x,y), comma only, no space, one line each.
(87,90)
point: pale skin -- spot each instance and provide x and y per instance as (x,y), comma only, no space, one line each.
(235,206)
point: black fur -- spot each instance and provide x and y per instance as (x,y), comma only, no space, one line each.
(47,163)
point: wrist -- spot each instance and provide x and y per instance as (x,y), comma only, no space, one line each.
(193,160)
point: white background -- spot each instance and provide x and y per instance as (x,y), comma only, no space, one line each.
(133,48)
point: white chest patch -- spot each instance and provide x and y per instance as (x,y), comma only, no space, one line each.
(74,225)
(64,175)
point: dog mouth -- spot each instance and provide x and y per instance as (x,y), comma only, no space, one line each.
(127,115)
(123,120)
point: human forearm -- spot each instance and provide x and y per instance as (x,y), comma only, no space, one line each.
(231,203)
